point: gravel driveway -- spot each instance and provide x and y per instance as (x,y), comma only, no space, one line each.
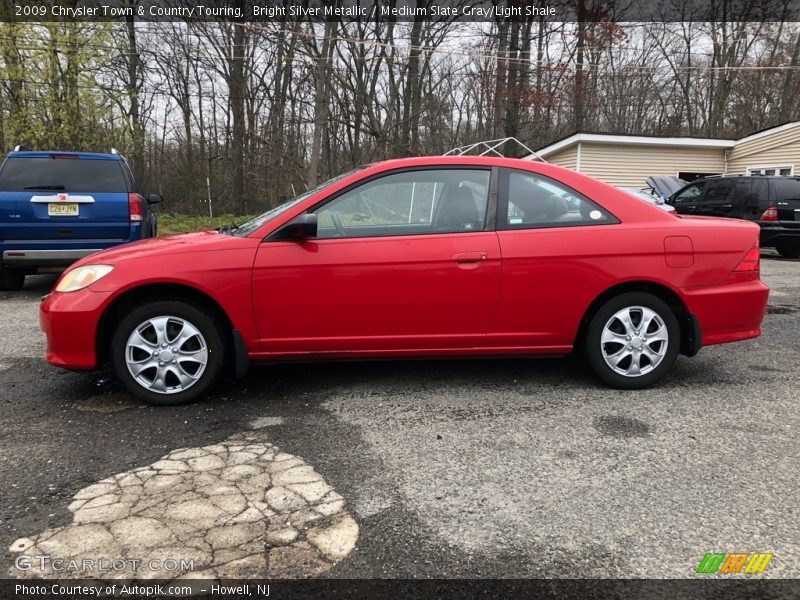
(513,468)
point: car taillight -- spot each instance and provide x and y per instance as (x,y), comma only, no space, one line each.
(135,207)
(771,214)
(751,260)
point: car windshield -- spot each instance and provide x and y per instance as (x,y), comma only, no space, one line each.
(250,226)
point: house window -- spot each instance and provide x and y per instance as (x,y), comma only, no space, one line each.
(778,170)
(689,176)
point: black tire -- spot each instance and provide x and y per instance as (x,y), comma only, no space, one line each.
(788,251)
(594,349)
(201,320)
(11,280)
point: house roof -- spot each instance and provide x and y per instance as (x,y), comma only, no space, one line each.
(650,140)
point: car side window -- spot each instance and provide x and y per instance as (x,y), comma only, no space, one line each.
(409,203)
(529,200)
(134,185)
(721,191)
(752,195)
(690,193)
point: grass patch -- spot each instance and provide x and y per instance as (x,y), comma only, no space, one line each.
(169,223)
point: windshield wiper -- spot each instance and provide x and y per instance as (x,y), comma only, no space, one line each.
(228,228)
(43,187)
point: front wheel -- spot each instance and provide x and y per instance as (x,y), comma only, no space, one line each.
(11,280)
(632,341)
(168,352)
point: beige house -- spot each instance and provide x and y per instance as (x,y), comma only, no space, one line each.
(627,160)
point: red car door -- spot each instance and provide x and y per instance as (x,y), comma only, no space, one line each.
(401,262)
(550,236)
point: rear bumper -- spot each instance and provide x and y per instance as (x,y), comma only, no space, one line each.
(70,322)
(776,233)
(728,313)
(45,258)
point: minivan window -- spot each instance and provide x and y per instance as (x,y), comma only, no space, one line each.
(62,175)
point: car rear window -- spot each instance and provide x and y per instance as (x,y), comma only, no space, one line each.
(787,189)
(62,175)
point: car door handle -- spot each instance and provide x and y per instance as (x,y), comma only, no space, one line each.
(469,257)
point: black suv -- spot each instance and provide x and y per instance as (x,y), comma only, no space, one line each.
(772,202)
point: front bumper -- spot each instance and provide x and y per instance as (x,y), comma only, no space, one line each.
(728,313)
(70,321)
(45,258)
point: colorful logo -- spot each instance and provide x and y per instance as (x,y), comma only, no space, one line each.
(734,562)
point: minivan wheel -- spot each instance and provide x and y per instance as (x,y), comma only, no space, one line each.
(632,341)
(788,251)
(168,352)
(11,280)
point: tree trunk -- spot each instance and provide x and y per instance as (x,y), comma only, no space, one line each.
(789,97)
(579,71)
(134,89)
(411,93)
(236,101)
(321,101)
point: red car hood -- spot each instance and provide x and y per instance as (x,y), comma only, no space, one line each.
(155,247)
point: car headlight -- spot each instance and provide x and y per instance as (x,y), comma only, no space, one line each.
(81,277)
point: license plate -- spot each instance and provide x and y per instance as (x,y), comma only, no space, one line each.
(63,209)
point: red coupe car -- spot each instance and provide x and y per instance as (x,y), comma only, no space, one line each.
(421,257)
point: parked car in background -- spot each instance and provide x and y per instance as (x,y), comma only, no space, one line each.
(649,198)
(57,207)
(771,201)
(663,187)
(456,256)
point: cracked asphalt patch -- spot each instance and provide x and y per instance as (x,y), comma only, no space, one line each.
(240,508)
(485,468)
(108,402)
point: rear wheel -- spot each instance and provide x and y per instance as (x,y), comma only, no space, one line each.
(11,279)
(632,341)
(168,352)
(788,251)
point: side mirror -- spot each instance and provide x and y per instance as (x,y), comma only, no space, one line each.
(302,227)
(154,198)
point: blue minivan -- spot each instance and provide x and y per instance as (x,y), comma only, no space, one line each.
(57,207)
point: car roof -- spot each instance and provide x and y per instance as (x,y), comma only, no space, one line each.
(715,177)
(450,159)
(50,153)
